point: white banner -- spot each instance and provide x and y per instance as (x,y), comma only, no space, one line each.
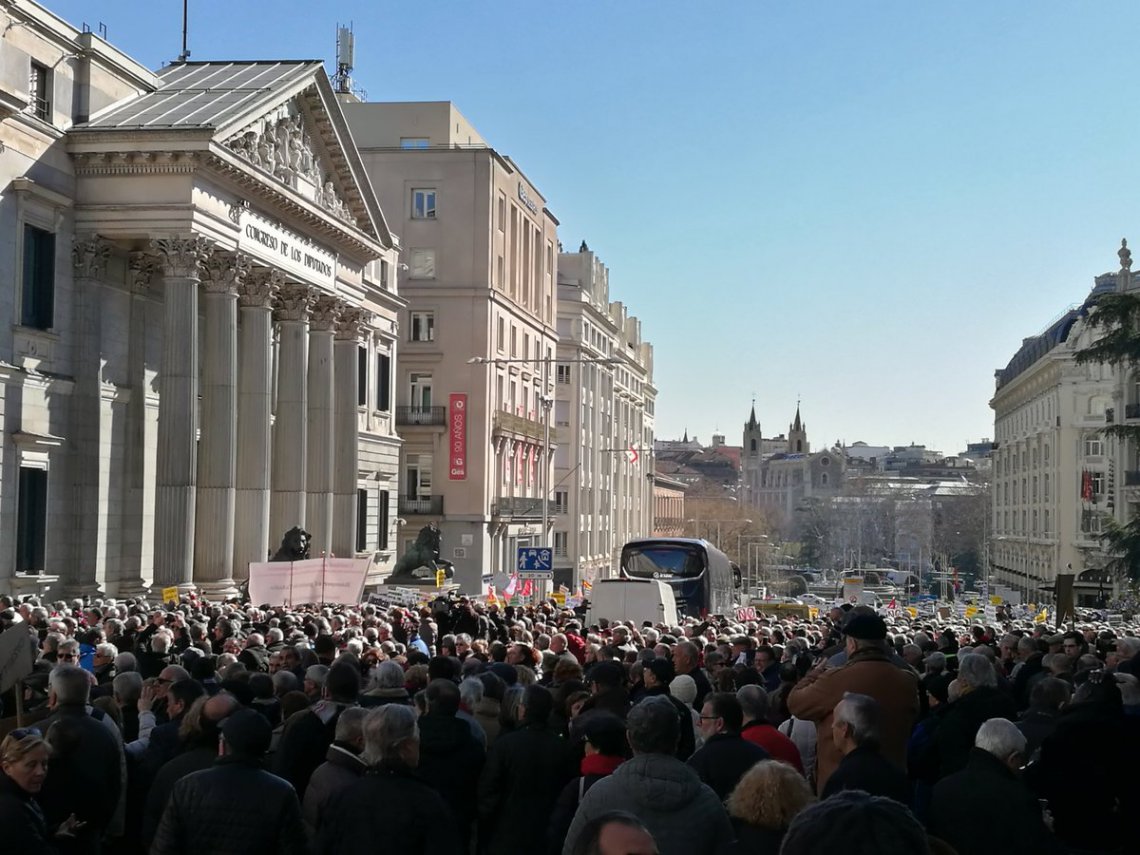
(318,580)
(17,656)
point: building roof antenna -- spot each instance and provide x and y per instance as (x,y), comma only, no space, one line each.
(345,59)
(185,55)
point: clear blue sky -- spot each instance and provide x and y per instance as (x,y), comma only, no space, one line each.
(867,205)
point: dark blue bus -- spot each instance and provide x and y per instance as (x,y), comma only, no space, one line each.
(703,580)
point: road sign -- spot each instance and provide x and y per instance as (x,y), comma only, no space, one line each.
(535,560)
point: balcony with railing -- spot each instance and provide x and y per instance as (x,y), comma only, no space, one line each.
(421,416)
(508,423)
(518,507)
(422,505)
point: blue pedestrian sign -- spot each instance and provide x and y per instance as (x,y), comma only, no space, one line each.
(535,560)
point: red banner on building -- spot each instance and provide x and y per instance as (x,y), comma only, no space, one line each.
(457,436)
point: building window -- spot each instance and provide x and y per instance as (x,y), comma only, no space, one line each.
(423,326)
(502,213)
(414,142)
(562,372)
(37,307)
(422,264)
(361,520)
(423,204)
(514,342)
(549,257)
(1046,484)
(499,272)
(1097,485)
(385,275)
(362,376)
(382,521)
(561,501)
(1094,446)
(417,476)
(39,91)
(560,540)
(383,382)
(500,335)
(31,524)
(420,386)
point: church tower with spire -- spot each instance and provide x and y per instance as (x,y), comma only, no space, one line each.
(797,435)
(753,444)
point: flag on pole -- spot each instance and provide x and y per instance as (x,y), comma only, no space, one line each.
(1043,616)
(527,588)
(509,591)
(632,454)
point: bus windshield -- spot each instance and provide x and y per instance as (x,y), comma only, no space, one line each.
(676,561)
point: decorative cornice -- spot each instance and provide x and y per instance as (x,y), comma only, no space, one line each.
(259,289)
(352,323)
(89,254)
(137,162)
(182,257)
(224,272)
(293,302)
(325,313)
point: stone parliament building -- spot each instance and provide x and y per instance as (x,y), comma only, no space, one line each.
(199,288)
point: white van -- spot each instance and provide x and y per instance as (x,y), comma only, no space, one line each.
(638,600)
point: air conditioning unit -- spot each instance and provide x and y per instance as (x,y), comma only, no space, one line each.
(459,552)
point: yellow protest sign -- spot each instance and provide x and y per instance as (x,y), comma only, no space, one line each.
(971,611)
(912,611)
(440,576)
(995,600)
(170,595)
(559,597)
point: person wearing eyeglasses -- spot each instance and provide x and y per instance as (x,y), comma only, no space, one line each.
(23,768)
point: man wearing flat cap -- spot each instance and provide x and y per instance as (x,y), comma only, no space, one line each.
(868,671)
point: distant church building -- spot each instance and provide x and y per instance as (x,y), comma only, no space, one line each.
(781,472)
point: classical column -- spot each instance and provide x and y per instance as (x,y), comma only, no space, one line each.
(290,426)
(89,440)
(252,535)
(319,459)
(181,259)
(142,429)
(217,447)
(353,321)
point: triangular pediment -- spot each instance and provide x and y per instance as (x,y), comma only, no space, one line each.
(281,119)
(304,142)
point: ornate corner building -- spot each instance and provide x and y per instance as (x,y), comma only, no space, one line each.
(200,289)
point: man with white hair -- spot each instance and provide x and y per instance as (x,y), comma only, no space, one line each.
(985,807)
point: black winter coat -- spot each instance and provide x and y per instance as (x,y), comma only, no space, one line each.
(525,772)
(158,793)
(451,760)
(868,770)
(985,809)
(753,840)
(724,758)
(390,810)
(303,747)
(22,820)
(233,808)
(955,734)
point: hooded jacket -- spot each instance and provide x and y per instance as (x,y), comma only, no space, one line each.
(684,815)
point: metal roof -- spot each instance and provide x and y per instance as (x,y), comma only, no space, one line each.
(204,94)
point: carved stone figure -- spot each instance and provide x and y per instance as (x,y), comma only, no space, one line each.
(294,545)
(420,563)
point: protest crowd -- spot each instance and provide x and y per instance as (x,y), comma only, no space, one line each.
(461,728)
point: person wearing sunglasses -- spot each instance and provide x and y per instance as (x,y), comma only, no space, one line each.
(23,769)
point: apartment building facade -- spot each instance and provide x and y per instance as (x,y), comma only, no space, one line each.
(604,413)
(1056,476)
(477,337)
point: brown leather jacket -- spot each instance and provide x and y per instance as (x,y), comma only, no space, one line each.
(867,672)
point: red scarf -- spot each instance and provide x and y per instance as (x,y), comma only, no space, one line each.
(600,764)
